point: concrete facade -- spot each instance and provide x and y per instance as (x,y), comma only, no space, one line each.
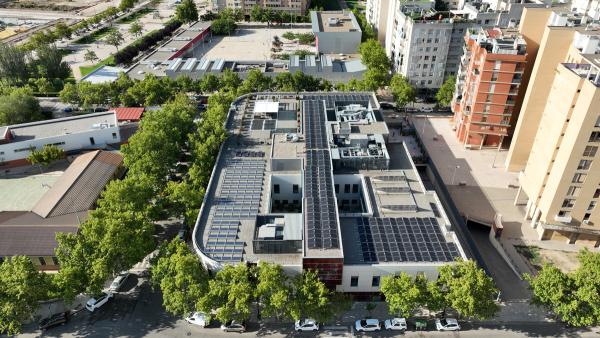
(297,7)
(336,32)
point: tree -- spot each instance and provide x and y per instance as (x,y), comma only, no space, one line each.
(150,91)
(446,92)
(403,293)
(256,81)
(19,106)
(373,55)
(573,297)
(468,289)
(257,13)
(230,81)
(284,82)
(272,290)
(402,90)
(90,56)
(230,294)
(209,83)
(49,63)
(136,29)
(13,64)
(43,85)
(48,154)
(186,11)
(114,38)
(21,287)
(126,4)
(61,30)
(69,94)
(310,298)
(92,95)
(224,25)
(180,276)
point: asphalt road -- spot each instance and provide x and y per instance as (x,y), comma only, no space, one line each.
(137,312)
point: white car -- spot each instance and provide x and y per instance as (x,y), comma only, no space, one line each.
(447,324)
(306,325)
(396,324)
(96,302)
(367,325)
(426,110)
(198,318)
(118,282)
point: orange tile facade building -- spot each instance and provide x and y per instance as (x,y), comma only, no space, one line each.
(489,92)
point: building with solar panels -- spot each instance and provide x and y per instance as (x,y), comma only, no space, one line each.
(310,181)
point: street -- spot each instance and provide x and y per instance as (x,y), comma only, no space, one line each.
(137,312)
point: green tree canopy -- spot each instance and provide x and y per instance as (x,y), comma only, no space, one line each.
(114,38)
(403,293)
(61,30)
(372,55)
(125,4)
(572,296)
(186,11)
(136,29)
(468,289)
(230,294)
(13,64)
(49,63)
(256,81)
(19,106)
(310,298)
(21,287)
(180,276)
(402,90)
(272,290)
(48,154)
(446,92)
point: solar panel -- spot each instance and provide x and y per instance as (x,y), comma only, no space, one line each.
(403,240)
(394,190)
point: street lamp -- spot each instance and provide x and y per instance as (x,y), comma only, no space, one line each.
(454,174)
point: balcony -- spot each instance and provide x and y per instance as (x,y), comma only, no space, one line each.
(586,71)
(488,129)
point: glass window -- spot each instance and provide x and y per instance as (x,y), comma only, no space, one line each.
(584,164)
(597,193)
(355,188)
(276,189)
(354,281)
(597,125)
(595,136)
(568,203)
(590,151)
(579,178)
(42,260)
(347,188)
(375,281)
(592,205)
(337,188)
(573,191)
(295,188)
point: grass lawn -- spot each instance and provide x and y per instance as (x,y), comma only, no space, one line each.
(135,16)
(95,36)
(85,70)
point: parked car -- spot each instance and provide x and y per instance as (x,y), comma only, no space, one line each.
(307,324)
(367,325)
(234,326)
(54,320)
(396,324)
(118,282)
(447,324)
(426,110)
(96,302)
(198,318)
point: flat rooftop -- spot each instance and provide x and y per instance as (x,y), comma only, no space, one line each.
(334,21)
(275,178)
(60,126)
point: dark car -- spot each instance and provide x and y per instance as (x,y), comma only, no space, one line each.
(54,320)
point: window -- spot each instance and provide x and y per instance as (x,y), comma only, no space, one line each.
(592,205)
(54,260)
(590,151)
(584,164)
(564,213)
(597,193)
(276,189)
(337,188)
(92,142)
(42,260)
(354,188)
(586,217)
(568,203)
(595,136)
(295,188)
(346,188)
(597,125)
(354,281)
(114,135)
(579,178)
(24,149)
(573,191)
(375,281)
(497,65)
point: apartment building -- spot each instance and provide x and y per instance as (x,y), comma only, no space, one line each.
(425,46)
(380,12)
(556,140)
(297,7)
(488,85)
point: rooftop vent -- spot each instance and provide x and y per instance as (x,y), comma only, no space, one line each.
(333,21)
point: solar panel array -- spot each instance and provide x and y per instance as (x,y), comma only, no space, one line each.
(331,100)
(263,124)
(238,198)
(400,207)
(321,217)
(415,239)
(394,190)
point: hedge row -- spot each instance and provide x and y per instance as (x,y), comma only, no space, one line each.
(127,54)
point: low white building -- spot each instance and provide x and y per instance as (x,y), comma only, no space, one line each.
(90,131)
(336,32)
